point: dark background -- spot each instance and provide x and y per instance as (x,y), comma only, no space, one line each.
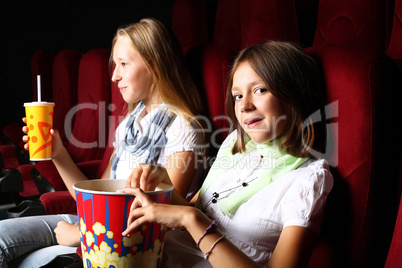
(26,26)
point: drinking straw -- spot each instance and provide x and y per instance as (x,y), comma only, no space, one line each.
(39,92)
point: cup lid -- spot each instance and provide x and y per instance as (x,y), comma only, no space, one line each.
(37,103)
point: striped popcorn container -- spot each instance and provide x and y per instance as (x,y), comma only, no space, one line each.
(103,215)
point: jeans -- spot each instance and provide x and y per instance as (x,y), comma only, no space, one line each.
(21,236)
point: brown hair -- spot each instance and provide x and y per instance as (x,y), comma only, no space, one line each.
(292,77)
(162,54)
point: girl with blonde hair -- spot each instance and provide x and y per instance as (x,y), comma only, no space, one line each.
(160,128)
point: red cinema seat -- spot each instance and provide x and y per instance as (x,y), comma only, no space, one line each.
(65,85)
(361,144)
(359,23)
(394,257)
(227,26)
(85,125)
(263,20)
(189,22)
(64,78)
(62,201)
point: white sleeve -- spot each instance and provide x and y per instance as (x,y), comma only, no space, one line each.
(305,200)
(181,137)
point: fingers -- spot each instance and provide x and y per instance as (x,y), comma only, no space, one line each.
(141,177)
(25,139)
(24,119)
(137,216)
(55,133)
(146,177)
(139,194)
(25,129)
(136,219)
(132,180)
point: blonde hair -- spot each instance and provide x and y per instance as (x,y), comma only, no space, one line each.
(163,56)
(291,76)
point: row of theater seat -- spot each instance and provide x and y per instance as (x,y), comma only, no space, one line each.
(81,90)
(374,24)
(361,77)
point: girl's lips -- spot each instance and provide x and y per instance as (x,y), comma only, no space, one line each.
(253,122)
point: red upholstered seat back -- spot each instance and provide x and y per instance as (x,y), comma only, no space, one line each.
(89,132)
(189,22)
(360,23)
(394,258)
(227,25)
(262,21)
(361,148)
(65,83)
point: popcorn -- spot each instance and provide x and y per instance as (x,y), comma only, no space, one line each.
(105,256)
(137,238)
(98,228)
(103,218)
(83,227)
(109,234)
(90,238)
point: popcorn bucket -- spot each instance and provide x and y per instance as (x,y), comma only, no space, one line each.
(103,215)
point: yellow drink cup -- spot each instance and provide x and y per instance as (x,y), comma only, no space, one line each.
(39,116)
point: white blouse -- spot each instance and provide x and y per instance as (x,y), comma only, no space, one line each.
(297,198)
(180,137)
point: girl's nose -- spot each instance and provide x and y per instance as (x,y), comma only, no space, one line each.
(247,104)
(115,77)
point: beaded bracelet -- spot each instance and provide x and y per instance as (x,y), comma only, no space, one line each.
(214,224)
(212,247)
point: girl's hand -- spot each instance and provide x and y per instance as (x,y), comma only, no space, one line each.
(57,143)
(147,177)
(144,210)
(67,234)
(25,138)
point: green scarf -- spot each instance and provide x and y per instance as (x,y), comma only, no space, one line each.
(284,163)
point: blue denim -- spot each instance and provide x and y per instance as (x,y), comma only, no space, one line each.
(21,236)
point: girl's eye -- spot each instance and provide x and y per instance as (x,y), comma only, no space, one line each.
(123,64)
(237,97)
(260,90)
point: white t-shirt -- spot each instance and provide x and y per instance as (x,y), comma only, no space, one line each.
(297,198)
(180,137)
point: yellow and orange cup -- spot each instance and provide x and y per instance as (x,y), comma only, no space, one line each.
(39,117)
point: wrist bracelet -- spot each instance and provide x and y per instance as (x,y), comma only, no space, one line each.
(214,224)
(212,247)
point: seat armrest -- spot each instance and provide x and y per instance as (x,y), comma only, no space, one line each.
(60,202)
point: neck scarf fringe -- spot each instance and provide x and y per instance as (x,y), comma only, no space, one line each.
(147,147)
